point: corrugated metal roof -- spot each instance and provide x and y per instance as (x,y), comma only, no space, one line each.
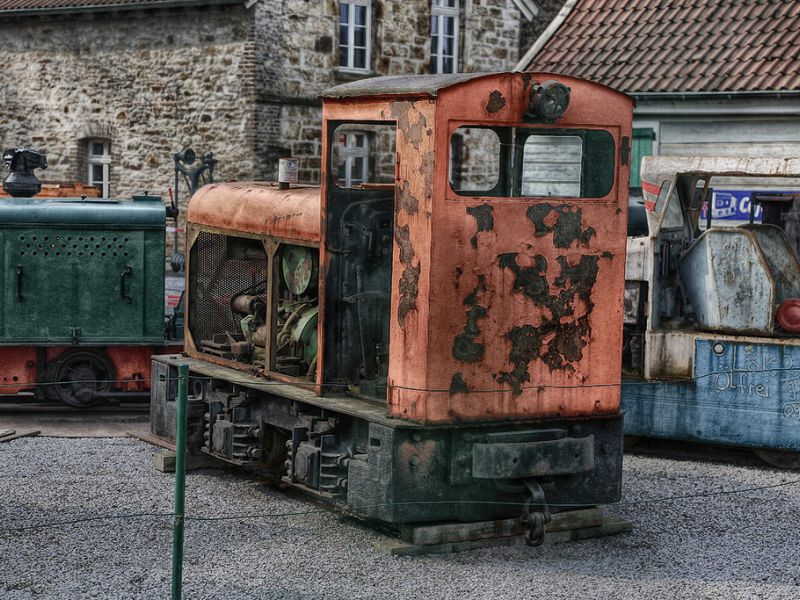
(678,46)
(30,7)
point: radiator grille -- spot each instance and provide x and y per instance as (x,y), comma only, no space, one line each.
(216,273)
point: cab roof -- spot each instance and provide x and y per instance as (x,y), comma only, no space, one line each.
(400,85)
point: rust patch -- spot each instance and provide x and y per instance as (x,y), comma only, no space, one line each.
(465,348)
(401,237)
(406,200)
(484,218)
(531,281)
(526,344)
(567,344)
(496,102)
(458,385)
(409,280)
(408,293)
(526,80)
(557,343)
(412,132)
(566,228)
(581,277)
(426,170)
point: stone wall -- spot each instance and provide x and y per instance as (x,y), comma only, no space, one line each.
(297,43)
(151,82)
(243,83)
(531,30)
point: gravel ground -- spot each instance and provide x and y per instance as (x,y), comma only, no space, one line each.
(725,546)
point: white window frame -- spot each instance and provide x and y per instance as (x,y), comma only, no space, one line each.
(349,43)
(350,151)
(440,12)
(103,159)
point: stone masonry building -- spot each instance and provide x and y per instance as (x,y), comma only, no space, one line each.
(110,90)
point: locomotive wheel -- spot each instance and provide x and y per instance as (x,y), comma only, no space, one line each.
(782,459)
(80,374)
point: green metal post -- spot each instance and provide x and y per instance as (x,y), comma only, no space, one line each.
(180,481)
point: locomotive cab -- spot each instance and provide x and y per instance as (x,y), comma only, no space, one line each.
(462,267)
(711,321)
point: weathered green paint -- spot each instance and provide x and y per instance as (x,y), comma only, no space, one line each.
(62,264)
(642,146)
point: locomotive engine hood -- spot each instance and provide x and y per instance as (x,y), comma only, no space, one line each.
(259,208)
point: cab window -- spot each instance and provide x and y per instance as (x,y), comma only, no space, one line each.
(532,162)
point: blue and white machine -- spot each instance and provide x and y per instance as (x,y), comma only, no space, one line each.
(709,356)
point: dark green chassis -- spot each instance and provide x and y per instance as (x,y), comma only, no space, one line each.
(393,470)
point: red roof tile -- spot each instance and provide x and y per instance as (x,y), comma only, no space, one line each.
(677,45)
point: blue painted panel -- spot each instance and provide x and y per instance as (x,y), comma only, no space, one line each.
(743,394)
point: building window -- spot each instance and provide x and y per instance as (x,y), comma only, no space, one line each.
(444,36)
(98,159)
(354,34)
(353,159)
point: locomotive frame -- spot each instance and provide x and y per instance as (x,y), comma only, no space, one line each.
(498,357)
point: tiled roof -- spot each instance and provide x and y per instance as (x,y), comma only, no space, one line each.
(679,45)
(27,7)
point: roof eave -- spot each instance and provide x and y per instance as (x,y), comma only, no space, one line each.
(732,95)
(61,10)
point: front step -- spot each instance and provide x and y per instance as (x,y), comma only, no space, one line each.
(444,538)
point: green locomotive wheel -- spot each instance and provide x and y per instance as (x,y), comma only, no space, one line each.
(80,374)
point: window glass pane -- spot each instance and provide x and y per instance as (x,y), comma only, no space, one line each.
(360,37)
(662,196)
(434,25)
(360,58)
(364,154)
(673,217)
(97,174)
(357,175)
(344,11)
(97,148)
(447,65)
(342,56)
(361,15)
(474,160)
(447,46)
(448,25)
(551,166)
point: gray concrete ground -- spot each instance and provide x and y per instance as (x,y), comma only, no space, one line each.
(723,546)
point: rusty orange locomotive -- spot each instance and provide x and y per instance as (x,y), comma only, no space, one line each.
(434,333)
